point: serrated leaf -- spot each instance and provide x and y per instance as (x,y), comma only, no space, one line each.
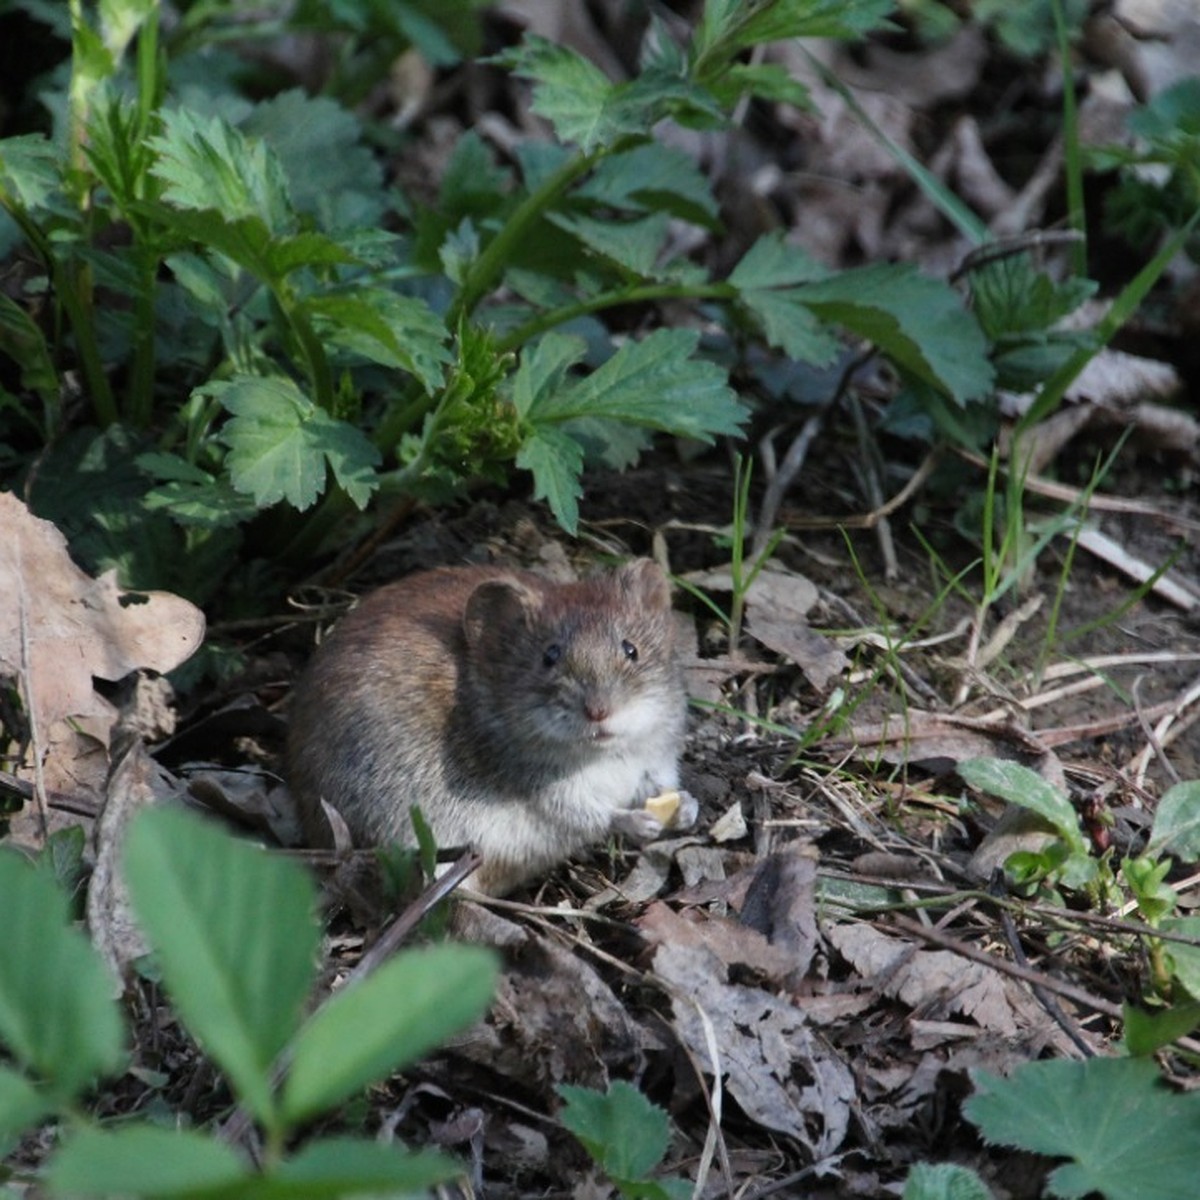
(1183,960)
(206,164)
(346,189)
(29,166)
(919,323)
(655,383)
(1027,789)
(21,1104)
(409,1006)
(634,245)
(792,326)
(661,178)
(774,262)
(542,371)
(57,1015)
(1130,1137)
(575,96)
(944,1181)
(25,344)
(144,1161)
(280,442)
(1148,1032)
(622,1130)
(397,331)
(556,462)
(236,939)
(1176,829)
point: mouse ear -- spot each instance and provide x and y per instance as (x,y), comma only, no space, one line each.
(644,581)
(498,607)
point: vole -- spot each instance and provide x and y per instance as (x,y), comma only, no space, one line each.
(525,717)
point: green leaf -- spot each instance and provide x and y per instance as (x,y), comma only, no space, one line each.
(348,1166)
(21,1104)
(575,96)
(29,177)
(236,939)
(397,331)
(622,1130)
(57,1015)
(144,1161)
(654,177)
(1021,786)
(319,146)
(1176,829)
(1148,1032)
(634,245)
(409,1006)
(944,1181)
(774,262)
(280,442)
(556,461)
(24,343)
(654,383)
(1130,1138)
(918,322)
(207,164)
(1183,960)
(191,495)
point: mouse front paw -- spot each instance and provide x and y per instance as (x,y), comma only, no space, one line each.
(638,824)
(689,811)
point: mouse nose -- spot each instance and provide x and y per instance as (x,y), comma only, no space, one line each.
(597,710)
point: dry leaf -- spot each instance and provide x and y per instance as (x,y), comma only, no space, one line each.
(60,626)
(779,1071)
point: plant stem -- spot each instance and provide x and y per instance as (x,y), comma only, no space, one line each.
(489,266)
(637,295)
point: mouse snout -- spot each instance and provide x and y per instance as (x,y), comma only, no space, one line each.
(597,709)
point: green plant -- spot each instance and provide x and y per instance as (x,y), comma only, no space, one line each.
(627,1137)
(1070,861)
(235,940)
(253,344)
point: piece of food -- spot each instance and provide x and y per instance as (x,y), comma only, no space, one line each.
(664,806)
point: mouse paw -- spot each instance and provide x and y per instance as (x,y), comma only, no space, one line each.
(636,823)
(689,810)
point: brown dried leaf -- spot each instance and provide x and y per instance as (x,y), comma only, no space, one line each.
(61,627)
(781,1074)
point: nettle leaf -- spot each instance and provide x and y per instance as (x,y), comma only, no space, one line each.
(280,444)
(575,96)
(656,383)
(29,171)
(622,1130)
(191,495)
(205,163)
(397,331)
(634,245)
(1131,1138)
(732,26)
(655,177)
(918,322)
(652,384)
(766,280)
(556,462)
(318,143)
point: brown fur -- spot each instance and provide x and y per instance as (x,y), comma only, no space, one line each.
(444,690)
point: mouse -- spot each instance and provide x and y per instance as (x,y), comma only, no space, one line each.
(526,717)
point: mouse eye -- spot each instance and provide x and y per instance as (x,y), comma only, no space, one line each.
(552,655)
(630,651)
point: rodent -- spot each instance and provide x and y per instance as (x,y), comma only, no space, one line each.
(525,717)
